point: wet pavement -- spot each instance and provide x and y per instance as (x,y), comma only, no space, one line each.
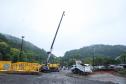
(102,76)
(60,78)
(56,78)
(108,77)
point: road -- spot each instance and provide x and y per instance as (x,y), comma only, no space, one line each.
(45,78)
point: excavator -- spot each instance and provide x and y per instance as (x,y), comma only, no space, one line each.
(48,66)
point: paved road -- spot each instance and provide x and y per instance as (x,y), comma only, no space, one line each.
(46,78)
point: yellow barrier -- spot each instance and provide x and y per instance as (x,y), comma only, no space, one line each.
(5,65)
(25,66)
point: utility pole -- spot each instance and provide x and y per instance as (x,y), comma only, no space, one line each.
(124,60)
(93,57)
(21,49)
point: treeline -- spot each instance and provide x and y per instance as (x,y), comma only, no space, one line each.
(10,50)
(96,55)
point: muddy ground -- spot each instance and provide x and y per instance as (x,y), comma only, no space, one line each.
(48,78)
(105,76)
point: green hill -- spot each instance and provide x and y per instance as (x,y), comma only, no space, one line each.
(10,49)
(100,51)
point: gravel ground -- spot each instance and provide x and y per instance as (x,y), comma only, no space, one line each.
(45,78)
(102,76)
(108,77)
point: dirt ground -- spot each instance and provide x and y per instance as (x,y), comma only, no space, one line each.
(105,76)
(108,76)
(46,78)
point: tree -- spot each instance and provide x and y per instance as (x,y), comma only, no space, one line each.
(122,58)
(14,53)
(87,60)
(10,48)
(4,50)
(104,60)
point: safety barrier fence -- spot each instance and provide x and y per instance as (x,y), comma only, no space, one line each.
(19,66)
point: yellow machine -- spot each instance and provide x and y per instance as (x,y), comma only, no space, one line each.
(54,67)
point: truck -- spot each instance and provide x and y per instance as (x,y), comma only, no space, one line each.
(80,68)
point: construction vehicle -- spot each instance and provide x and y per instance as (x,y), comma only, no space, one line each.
(80,68)
(48,66)
(54,67)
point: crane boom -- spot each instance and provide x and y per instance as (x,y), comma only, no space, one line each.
(49,54)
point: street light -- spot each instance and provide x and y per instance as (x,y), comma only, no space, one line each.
(21,48)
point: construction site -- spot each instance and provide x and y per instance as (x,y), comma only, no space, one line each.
(91,49)
(53,73)
(61,77)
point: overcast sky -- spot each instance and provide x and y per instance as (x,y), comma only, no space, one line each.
(86,22)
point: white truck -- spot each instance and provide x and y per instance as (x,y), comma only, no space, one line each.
(80,68)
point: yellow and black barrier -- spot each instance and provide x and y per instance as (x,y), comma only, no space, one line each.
(19,67)
(25,66)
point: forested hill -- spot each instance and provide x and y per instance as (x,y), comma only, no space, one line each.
(10,49)
(99,50)
(16,43)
